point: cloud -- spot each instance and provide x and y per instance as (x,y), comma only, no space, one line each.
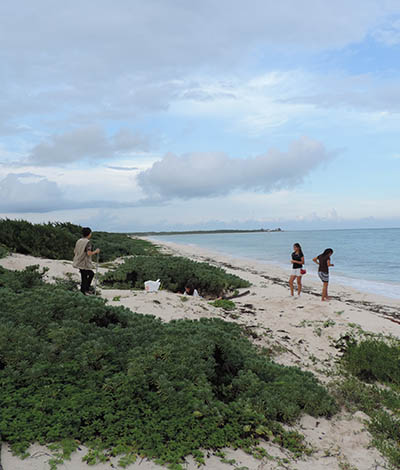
(123,168)
(266,103)
(358,92)
(89,143)
(31,193)
(389,33)
(199,175)
(99,58)
(18,193)
(106,39)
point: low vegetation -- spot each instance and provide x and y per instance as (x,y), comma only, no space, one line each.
(374,360)
(224,304)
(75,370)
(3,251)
(175,272)
(372,385)
(57,241)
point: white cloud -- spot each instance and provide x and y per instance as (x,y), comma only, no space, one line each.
(29,193)
(98,35)
(210,174)
(97,58)
(252,105)
(363,93)
(389,32)
(90,143)
(263,104)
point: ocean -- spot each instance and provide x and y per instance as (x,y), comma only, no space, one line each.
(365,259)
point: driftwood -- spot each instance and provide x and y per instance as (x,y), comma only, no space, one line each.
(287,349)
(237,295)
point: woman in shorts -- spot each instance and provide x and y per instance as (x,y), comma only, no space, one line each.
(297,261)
(324,262)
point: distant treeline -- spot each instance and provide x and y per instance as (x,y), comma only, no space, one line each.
(56,240)
(199,232)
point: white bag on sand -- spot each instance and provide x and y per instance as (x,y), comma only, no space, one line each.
(152,286)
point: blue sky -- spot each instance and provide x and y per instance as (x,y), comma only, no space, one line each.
(135,115)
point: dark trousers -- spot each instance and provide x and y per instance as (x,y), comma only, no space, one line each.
(87,276)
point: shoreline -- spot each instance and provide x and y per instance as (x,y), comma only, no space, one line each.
(364,279)
(385,306)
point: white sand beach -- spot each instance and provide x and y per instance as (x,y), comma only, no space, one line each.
(301,330)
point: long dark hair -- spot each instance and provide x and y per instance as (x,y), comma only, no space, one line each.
(189,286)
(297,245)
(327,253)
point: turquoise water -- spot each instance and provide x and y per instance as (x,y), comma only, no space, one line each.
(366,259)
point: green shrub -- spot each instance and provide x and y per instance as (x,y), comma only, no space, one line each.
(386,431)
(116,245)
(174,272)
(374,360)
(224,303)
(57,240)
(4,251)
(20,280)
(378,361)
(46,240)
(382,405)
(73,367)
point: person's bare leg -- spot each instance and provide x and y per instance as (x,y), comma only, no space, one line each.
(324,291)
(298,285)
(291,280)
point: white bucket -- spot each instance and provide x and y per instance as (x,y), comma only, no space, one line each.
(152,286)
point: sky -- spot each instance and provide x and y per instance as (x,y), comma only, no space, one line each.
(171,115)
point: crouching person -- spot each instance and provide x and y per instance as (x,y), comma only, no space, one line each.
(83,259)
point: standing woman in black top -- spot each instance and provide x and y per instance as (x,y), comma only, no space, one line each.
(297,264)
(324,262)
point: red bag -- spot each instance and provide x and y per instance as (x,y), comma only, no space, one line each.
(303,271)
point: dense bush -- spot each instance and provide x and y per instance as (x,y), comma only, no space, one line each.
(174,272)
(374,360)
(116,245)
(73,367)
(3,251)
(57,240)
(374,388)
(17,281)
(47,240)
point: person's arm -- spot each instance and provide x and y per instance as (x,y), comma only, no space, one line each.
(91,253)
(316,260)
(329,262)
(302,260)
